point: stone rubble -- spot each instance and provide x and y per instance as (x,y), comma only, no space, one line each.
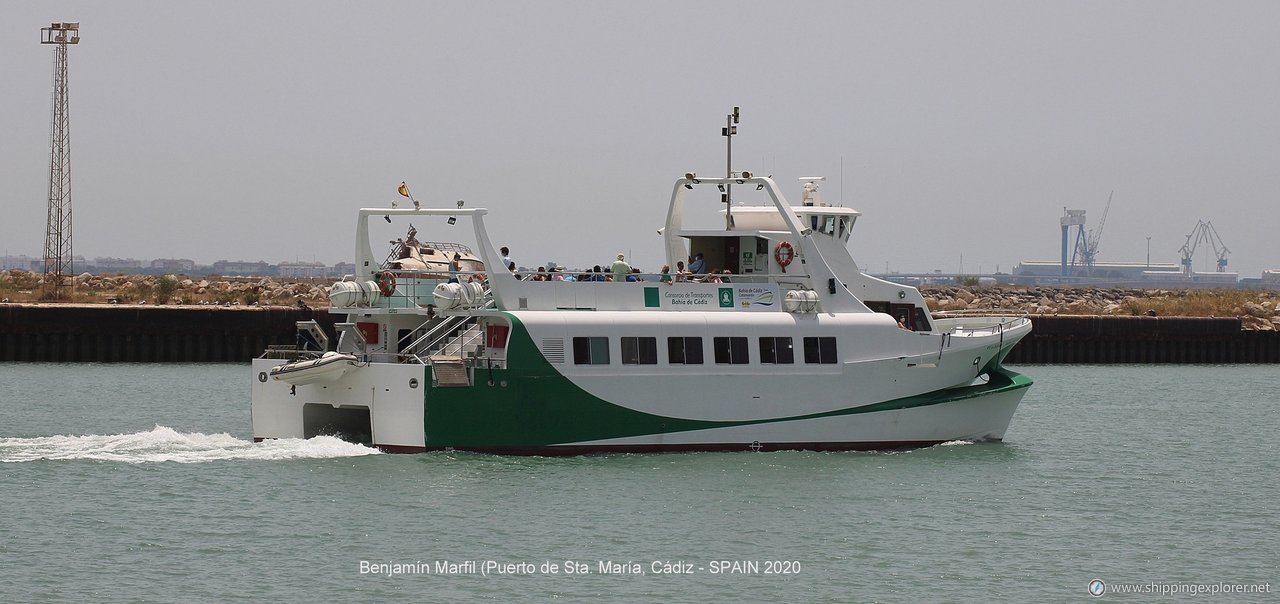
(1256,309)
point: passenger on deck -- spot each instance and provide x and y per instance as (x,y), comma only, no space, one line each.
(620,269)
(455,265)
(511,266)
(698,266)
(681,274)
(634,276)
(506,256)
(597,274)
(665,275)
(724,276)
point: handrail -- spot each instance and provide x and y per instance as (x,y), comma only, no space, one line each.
(462,345)
(650,278)
(407,335)
(982,312)
(992,329)
(441,342)
(445,327)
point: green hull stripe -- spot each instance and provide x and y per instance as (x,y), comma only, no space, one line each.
(539,406)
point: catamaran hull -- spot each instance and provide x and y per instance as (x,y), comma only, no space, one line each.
(979,412)
(975,420)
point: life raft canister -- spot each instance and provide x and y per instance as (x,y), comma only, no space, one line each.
(783,254)
(386,283)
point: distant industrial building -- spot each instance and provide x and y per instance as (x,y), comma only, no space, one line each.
(177,265)
(1103,270)
(116,264)
(228,268)
(25,263)
(1271,278)
(1129,273)
(302,270)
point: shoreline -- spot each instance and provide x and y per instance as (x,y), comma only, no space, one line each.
(1257,309)
(70,333)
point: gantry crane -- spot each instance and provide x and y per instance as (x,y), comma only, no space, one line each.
(1205,232)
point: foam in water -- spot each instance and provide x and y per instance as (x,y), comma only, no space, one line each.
(166,444)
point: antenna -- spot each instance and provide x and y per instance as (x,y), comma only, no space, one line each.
(728,131)
(841,181)
(57,239)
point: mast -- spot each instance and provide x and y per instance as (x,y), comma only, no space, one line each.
(728,131)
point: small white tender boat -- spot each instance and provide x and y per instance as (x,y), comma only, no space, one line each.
(329,367)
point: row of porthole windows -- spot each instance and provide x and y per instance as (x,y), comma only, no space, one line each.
(688,350)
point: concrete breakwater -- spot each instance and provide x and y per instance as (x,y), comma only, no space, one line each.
(119,333)
(1121,339)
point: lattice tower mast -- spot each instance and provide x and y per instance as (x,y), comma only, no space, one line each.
(57,241)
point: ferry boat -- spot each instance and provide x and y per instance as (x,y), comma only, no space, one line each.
(794,348)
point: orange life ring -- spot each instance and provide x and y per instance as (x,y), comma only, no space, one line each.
(386,283)
(783,254)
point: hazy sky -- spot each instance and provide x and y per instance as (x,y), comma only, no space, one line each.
(253,130)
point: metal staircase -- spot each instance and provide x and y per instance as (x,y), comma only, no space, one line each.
(441,338)
(449,347)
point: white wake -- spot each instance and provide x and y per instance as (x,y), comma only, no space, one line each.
(166,444)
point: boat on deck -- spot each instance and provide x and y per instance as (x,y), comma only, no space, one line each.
(328,367)
(791,346)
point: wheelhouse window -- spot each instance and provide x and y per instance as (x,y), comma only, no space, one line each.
(590,351)
(684,351)
(731,351)
(820,350)
(639,351)
(778,351)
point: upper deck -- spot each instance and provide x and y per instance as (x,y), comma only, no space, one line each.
(771,258)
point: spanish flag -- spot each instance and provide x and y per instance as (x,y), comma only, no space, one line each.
(404,189)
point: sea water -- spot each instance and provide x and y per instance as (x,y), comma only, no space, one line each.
(139,482)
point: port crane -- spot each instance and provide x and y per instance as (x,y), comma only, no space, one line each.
(1086,251)
(1203,232)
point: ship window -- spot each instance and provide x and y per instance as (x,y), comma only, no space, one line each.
(591,351)
(777,351)
(731,351)
(820,350)
(684,351)
(639,351)
(921,320)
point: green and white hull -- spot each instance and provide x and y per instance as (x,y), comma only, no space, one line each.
(529,404)
(810,354)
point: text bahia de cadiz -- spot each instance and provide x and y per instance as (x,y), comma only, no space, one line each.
(690,298)
(574,567)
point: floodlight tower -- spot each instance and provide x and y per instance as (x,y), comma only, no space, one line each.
(57,241)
